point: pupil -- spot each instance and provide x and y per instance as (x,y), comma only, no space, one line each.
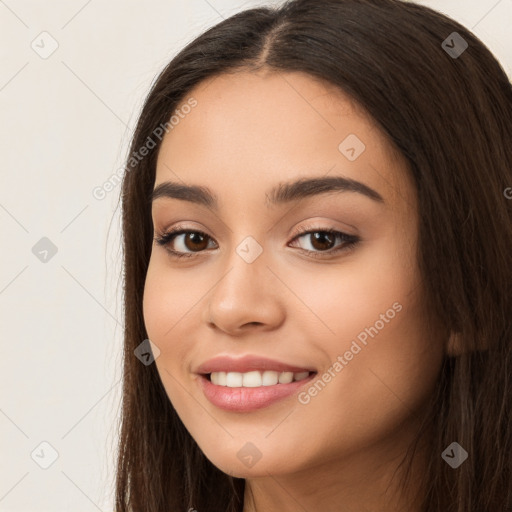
(191,237)
(319,237)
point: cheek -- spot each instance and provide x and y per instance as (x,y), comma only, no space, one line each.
(371,315)
(165,305)
(156,303)
(391,375)
(390,363)
(169,296)
(352,296)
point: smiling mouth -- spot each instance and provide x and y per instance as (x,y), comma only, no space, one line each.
(255,378)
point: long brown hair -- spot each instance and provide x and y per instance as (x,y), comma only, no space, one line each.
(450,116)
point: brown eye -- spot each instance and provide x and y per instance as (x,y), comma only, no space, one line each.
(324,240)
(195,241)
(187,242)
(183,242)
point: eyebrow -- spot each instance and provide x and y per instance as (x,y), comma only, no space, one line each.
(280,194)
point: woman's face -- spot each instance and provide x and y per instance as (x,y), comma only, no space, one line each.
(254,286)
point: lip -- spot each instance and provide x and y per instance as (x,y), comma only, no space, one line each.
(248,363)
(249,399)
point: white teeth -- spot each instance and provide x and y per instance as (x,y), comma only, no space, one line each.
(251,379)
(221,379)
(270,378)
(234,380)
(285,377)
(255,378)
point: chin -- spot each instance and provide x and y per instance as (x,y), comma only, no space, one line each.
(244,460)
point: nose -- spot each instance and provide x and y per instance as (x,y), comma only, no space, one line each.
(247,296)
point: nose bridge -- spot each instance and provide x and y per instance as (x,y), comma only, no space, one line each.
(244,293)
(246,268)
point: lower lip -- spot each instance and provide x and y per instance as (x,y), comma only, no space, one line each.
(248,399)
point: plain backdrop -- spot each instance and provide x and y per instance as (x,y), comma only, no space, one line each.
(66,121)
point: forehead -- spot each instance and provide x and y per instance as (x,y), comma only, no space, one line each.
(251,130)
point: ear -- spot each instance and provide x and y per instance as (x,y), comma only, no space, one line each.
(454,346)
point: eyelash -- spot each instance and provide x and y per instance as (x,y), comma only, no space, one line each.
(164,239)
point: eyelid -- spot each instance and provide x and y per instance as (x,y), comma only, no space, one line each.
(314,227)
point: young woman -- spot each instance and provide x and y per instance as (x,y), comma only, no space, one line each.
(317,224)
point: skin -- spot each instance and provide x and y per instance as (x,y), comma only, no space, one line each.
(248,132)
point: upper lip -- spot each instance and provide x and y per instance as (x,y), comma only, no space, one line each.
(246,364)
